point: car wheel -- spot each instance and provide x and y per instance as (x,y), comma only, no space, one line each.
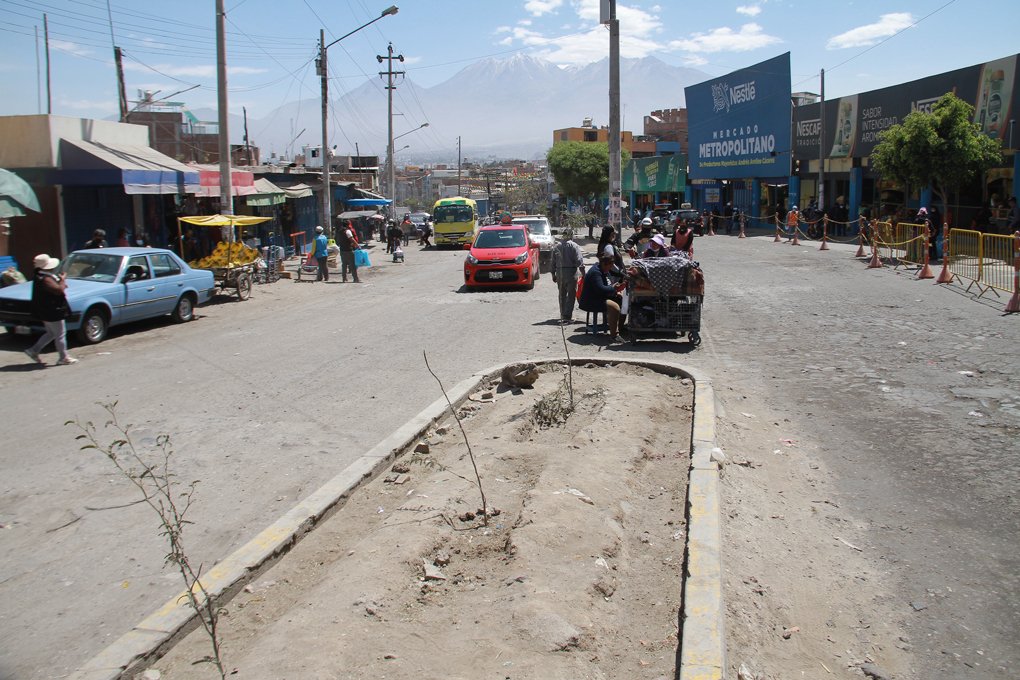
(184,311)
(538,273)
(94,326)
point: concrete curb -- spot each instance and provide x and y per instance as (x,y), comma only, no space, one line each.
(702,642)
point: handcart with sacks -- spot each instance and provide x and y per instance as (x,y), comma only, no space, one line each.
(232,263)
(664,297)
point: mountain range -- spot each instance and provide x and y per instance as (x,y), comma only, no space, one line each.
(500,108)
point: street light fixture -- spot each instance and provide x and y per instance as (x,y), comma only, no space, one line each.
(391,179)
(323,72)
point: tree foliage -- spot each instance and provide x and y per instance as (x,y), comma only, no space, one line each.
(942,149)
(581,169)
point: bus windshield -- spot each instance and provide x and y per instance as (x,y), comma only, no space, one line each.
(452,213)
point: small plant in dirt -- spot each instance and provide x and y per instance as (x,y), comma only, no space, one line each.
(467,443)
(170,499)
(553,409)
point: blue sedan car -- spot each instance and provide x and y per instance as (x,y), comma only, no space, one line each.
(111,286)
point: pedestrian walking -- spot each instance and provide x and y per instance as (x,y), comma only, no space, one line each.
(321,254)
(347,243)
(49,303)
(567,265)
(840,215)
(792,223)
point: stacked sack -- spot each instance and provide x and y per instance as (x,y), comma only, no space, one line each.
(227,255)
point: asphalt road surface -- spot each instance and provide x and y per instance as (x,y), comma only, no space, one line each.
(265,400)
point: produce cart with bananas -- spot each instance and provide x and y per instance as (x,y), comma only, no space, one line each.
(232,263)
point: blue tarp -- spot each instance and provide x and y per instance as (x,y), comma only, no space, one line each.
(358,202)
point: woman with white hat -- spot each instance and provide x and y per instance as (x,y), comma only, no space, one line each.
(50,304)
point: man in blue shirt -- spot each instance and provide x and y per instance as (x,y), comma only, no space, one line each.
(598,295)
(321,254)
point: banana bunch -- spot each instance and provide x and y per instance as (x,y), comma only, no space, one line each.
(227,255)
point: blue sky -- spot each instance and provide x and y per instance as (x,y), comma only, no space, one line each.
(862,45)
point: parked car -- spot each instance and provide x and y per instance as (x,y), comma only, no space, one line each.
(110,286)
(541,232)
(688,215)
(502,255)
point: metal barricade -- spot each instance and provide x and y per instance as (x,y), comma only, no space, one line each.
(996,262)
(908,244)
(965,248)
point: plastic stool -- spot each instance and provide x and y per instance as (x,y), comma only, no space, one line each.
(591,323)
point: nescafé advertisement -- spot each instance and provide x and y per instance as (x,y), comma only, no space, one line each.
(739,124)
(853,124)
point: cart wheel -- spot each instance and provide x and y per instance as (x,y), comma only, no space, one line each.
(243,286)
(695,338)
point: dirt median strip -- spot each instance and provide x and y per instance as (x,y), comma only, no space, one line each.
(702,651)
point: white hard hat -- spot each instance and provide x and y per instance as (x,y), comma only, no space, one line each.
(319,229)
(647,222)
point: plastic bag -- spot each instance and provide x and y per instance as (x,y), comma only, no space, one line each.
(580,286)
(361,258)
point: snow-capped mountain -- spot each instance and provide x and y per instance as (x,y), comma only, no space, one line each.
(500,108)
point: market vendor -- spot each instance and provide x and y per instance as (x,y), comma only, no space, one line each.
(683,239)
(640,238)
(600,296)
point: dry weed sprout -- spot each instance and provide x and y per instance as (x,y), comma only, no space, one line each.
(463,433)
(151,473)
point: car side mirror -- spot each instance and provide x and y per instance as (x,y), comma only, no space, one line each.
(467,246)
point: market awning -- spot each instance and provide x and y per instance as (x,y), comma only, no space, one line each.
(139,169)
(223,220)
(360,202)
(355,214)
(242,182)
(267,194)
(297,191)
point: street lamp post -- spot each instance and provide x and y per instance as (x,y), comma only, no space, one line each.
(391,179)
(323,72)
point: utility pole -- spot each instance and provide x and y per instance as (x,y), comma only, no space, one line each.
(821,147)
(38,73)
(320,65)
(458,165)
(391,180)
(247,144)
(120,84)
(226,189)
(615,153)
(323,73)
(46,39)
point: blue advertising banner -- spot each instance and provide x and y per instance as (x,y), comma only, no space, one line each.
(739,124)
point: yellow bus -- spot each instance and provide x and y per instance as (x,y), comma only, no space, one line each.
(454,220)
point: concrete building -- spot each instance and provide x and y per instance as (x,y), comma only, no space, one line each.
(89,174)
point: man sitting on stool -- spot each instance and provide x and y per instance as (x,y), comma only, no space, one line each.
(598,295)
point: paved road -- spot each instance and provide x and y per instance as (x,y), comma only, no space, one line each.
(267,399)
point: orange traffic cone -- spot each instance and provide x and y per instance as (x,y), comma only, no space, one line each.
(825,235)
(860,242)
(795,241)
(742,221)
(778,239)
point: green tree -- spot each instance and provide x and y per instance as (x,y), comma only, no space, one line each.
(581,169)
(942,149)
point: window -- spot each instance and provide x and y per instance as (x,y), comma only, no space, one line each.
(164,265)
(591,136)
(501,238)
(141,262)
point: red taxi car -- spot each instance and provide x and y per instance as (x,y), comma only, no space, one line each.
(502,255)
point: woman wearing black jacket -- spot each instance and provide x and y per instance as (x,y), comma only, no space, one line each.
(50,304)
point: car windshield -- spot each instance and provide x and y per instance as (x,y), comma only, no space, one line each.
(536,227)
(500,238)
(93,266)
(418,218)
(453,213)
